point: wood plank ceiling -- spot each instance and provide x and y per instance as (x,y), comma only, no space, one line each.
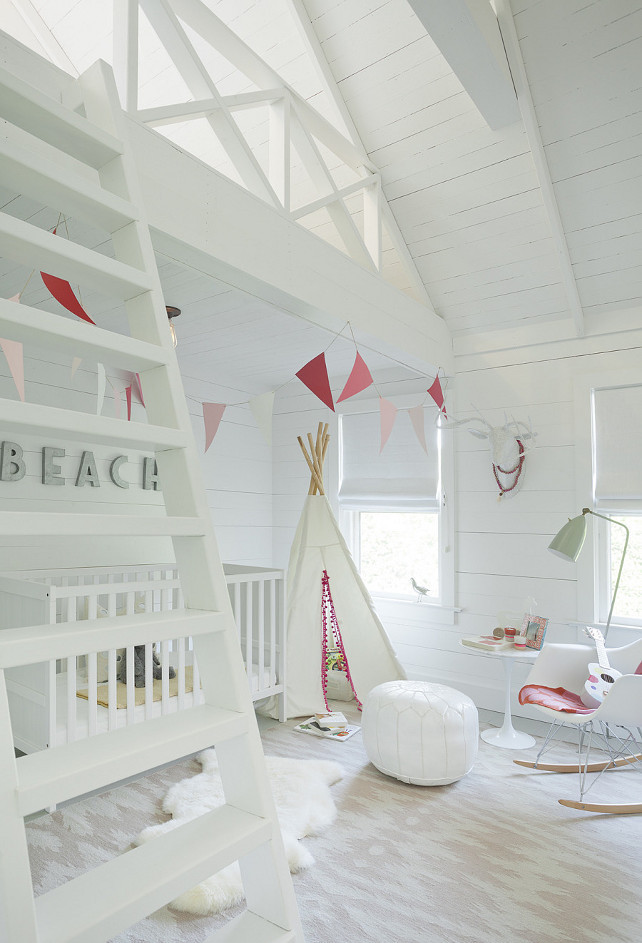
(466,198)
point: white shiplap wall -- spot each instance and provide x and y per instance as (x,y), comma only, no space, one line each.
(237,472)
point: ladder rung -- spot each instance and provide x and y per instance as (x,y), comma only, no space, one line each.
(51,422)
(58,524)
(57,187)
(29,325)
(248,926)
(106,900)
(28,644)
(44,117)
(46,252)
(60,773)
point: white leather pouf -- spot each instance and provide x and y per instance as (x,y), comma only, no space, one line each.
(419,732)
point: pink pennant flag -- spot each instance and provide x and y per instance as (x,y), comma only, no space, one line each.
(13,352)
(388,414)
(315,377)
(63,293)
(212,415)
(137,387)
(15,298)
(128,397)
(417,418)
(360,379)
(101,382)
(75,363)
(438,395)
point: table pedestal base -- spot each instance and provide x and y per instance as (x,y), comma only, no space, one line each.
(511,738)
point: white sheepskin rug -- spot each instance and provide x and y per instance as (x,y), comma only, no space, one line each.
(304,807)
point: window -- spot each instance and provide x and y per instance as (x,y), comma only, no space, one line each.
(392,508)
(617,493)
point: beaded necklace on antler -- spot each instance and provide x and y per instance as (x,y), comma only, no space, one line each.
(517,471)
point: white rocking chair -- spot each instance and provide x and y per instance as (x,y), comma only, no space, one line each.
(554,686)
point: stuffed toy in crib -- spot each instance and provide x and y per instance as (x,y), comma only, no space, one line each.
(139,667)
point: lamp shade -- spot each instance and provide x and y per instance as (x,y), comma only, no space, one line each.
(568,542)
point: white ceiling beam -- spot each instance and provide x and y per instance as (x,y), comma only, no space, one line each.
(467,34)
(184,56)
(125,43)
(531,125)
(44,35)
(300,211)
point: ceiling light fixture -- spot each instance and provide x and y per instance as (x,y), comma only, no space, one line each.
(172,313)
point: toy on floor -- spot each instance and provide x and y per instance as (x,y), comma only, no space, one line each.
(139,668)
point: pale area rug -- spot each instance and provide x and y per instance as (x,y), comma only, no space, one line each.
(492,858)
(304,807)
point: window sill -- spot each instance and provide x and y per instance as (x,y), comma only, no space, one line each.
(409,609)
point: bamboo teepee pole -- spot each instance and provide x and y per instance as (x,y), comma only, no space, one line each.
(313,472)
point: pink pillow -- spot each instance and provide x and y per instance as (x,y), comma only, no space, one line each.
(557,699)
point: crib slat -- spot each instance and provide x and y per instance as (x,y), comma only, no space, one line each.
(164,677)
(180,671)
(92,694)
(71,699)
(149,680)
(273,629)
(129,655)
(198,694)
(249,627)
(236,608)
(261,627)
(112,689)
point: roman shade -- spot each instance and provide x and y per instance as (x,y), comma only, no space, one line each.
(617,437)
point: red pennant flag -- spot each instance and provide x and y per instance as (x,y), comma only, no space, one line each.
(315,377)
(438,395)
(212,414)
(63,293)
(360,379)
(128,396)
(388,414)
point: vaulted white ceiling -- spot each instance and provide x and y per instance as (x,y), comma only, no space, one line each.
(535,221)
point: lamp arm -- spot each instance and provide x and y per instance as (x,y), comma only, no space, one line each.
(619,572)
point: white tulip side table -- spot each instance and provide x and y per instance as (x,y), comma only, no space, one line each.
(506,735)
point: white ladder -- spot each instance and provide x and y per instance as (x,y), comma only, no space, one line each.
(101,903)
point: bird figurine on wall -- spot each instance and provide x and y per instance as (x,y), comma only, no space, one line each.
(420,590)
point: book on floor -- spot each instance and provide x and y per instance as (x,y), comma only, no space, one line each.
(313,727)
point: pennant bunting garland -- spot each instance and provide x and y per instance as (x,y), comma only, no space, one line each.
(388,414)
(315,377)
(101,380)
(75,363)
(438,395)
(262,407)
(360,379)
(15,298)
(63,293)
(13,352)
(417,418)
(128,397)
(212,414)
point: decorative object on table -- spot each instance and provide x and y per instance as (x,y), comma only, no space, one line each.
(613,728)
(487,642)
(421,591)
(322,571)
(520,642)
(304,807)
(601,676)
(508,445)
(568,543)
(533,630)
(509,633)
(419,732)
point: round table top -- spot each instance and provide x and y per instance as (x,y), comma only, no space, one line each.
(504,652)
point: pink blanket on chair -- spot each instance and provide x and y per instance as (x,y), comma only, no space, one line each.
(557,699)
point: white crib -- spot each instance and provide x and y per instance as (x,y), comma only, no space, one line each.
(58,702)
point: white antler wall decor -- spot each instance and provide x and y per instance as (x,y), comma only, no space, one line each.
(508,445)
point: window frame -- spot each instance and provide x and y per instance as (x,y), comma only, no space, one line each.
(593,569)
(390,605)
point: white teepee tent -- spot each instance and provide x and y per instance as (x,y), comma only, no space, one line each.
(319,546)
